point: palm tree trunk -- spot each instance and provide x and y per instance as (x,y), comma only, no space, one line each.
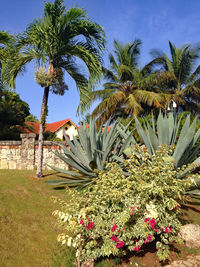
(41,131)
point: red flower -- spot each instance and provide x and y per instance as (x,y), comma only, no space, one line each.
(136,248)
(175,208)
(82,222)
(149,237)
(118,231)
(114,238)
(114,228)
(120,244)
(145,241)
(146,220)
(153,223)
(166,230)
(90,225)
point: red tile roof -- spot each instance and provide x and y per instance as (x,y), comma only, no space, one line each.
(87,126)
(52,127)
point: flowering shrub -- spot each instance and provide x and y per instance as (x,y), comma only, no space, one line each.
(120,213)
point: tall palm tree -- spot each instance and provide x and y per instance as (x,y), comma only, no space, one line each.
(54,42)
(129,90)
(181,67)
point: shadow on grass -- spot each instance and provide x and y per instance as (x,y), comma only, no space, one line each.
(50,174)
(59,188)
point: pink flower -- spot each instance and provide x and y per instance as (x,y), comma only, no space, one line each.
(175,208)
(120,244)
(114,228)
(132,208)
(146,220)
(114,238)
(153,223)
(136,248)
(166,230)
(170,228)
(118,231)
(90,225)
(156,230)
(90,237)
(82,222)
(132,213)
(145,241)
(149,237)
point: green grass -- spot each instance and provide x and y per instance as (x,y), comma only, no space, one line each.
(27,228)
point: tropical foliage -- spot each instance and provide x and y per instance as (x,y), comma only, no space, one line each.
(119,214)
(5,42)
(130,89)
(168,130)
(13,112)
(89,153)
(55,41)
(183,72)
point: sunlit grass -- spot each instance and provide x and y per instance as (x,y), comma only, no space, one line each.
(27,228)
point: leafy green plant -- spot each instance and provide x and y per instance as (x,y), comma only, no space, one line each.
(166,132)
(119,214)
(90,151)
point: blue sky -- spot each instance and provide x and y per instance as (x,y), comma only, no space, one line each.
(153,21)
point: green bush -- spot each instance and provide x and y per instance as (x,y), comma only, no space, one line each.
(119,214)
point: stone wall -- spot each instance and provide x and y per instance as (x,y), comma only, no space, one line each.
(23,154)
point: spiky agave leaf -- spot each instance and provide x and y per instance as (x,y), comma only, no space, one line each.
(88,153)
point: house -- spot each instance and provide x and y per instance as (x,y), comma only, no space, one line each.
(59,128)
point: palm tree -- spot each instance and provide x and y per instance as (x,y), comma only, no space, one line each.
(183,73)
(54,42)
(129,90)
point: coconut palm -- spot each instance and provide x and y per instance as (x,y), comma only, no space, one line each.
(181,67)
(54,42)
(129,90)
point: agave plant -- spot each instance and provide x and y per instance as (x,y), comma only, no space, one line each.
(168,130)
(90,151)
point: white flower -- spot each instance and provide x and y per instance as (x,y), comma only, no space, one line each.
(69,241)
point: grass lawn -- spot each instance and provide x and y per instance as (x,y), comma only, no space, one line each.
(28,230)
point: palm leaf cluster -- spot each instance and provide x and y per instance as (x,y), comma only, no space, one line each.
(130,89)
(184,75)
(57,40)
